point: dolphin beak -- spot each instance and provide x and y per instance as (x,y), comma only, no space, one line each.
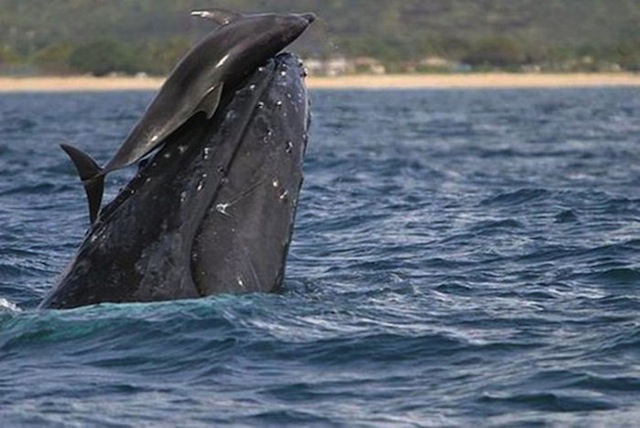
(310,17)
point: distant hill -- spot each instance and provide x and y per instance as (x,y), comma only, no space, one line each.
(148,35)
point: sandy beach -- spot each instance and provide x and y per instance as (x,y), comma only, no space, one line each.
(474,81)
(426,81)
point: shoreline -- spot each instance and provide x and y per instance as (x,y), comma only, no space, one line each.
(369,82)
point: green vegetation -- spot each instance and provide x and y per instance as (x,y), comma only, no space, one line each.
(102,57)
(130,36)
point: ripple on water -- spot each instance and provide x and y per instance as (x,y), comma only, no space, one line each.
(459,258)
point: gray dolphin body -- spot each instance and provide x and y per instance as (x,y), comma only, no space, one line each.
(211,212)
(196,84)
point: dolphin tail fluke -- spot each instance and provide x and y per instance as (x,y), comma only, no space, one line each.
(92,178)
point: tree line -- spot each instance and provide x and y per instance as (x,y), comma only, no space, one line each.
(99,57)
(109,55)
(149,36)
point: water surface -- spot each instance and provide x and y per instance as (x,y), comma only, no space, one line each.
(460,256)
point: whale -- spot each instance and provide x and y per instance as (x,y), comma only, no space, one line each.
(196,84)
(211,212)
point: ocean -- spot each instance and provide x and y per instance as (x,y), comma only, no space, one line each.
(460,257)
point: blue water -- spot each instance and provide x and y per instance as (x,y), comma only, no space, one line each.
(460,257)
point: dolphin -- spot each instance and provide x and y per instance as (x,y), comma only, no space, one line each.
(196,84)
(211,212)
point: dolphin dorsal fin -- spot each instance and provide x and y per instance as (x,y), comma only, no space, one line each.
(210,101)
(92,178)
(219,16)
